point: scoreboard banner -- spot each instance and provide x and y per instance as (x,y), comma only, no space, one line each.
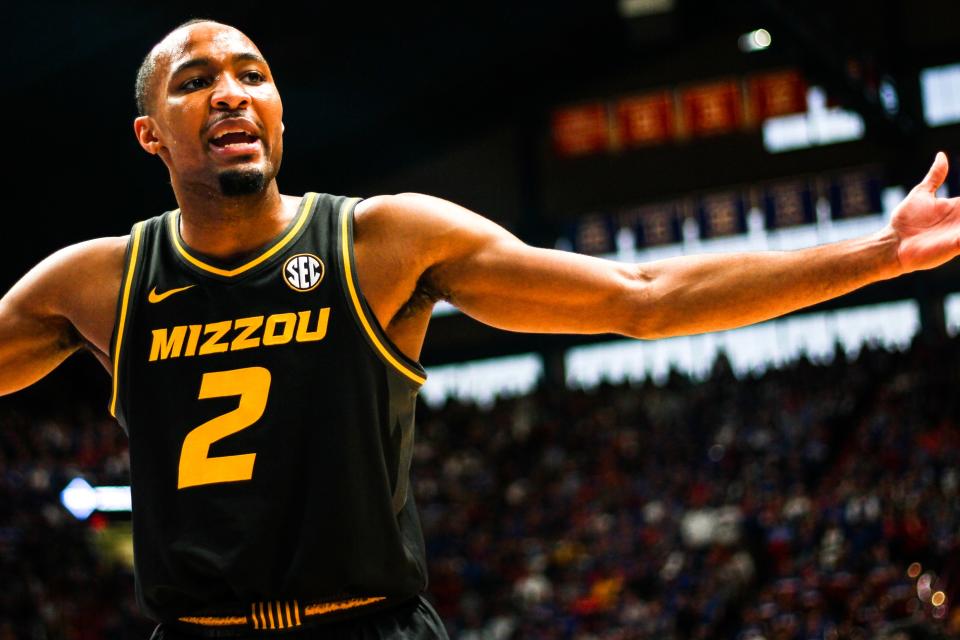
(775,94)
(676,114)
(646,119)
(782,204)
(581,129)
(596,234)
(711,109)
(852,195)
(657,224)
(789,204)
(722,214)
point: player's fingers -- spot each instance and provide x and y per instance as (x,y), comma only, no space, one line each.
(936,175)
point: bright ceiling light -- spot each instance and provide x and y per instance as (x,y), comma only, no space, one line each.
(757,40)
(640,8)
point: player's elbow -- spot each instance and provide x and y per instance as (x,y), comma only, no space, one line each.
(640,310)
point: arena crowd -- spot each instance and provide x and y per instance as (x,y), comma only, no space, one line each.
(813,501)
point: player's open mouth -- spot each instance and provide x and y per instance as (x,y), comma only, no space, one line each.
(233,137)
(232,143)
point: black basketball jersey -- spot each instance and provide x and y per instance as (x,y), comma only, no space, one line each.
(271,428)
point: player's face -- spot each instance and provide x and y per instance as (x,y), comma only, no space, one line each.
(216,108)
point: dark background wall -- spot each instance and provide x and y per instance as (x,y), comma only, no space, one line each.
(452,100)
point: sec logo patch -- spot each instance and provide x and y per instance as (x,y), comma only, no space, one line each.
(303,272)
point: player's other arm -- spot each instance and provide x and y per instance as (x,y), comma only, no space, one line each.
(494,277)
(58,306)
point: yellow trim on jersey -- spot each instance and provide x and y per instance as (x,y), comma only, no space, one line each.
(348,276)
(124,303)
(306,206)
(322,608)
(276,614)
(213,621)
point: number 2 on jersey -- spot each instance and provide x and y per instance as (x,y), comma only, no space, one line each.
(197,467)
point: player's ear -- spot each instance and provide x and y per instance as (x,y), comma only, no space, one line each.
(145,130)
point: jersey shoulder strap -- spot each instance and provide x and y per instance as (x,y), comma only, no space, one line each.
(142,237)
(342,235)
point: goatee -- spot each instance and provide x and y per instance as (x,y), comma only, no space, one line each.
(242,182)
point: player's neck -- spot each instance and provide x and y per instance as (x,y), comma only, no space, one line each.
(231,227)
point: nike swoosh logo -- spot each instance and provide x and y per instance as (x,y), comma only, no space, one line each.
(153,297)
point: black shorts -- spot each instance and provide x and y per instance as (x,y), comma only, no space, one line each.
(413,620)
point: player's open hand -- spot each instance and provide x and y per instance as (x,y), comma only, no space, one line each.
(928,227)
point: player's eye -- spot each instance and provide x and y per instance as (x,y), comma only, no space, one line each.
(254,76)
(194,83)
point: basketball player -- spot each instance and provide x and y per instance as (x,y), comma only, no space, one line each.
(264,349)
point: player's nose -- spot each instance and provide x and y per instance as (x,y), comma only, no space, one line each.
(229,94)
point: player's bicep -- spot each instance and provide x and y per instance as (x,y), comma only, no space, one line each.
(508,284)
(35,332)
(487,272)
(31,343)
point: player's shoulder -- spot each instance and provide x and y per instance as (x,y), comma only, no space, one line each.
(98,256)
(409,208)
(428,226)
(73,280)
(416,214)
(78,271)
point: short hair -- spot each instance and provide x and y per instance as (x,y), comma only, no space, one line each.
(143,87)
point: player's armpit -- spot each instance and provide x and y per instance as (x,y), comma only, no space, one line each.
(67,299)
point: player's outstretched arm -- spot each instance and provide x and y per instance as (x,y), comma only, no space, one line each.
(64,302)
(492,276)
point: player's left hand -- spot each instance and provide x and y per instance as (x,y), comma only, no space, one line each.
(927,227)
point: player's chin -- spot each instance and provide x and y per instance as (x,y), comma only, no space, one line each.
(242,180)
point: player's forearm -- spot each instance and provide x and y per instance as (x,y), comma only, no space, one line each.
(712,292)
